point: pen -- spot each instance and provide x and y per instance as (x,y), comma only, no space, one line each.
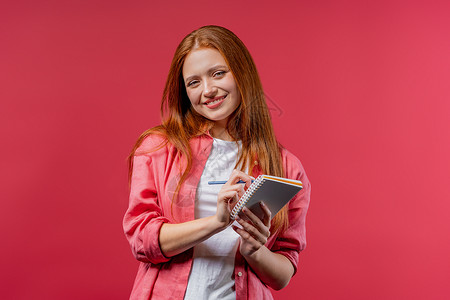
(223,182)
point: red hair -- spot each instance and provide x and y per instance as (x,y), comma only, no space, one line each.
(250,122)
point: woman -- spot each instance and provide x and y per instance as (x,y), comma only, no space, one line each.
(216,126)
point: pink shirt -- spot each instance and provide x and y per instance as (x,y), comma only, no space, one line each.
(154,180)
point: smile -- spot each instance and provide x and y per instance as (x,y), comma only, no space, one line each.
(215,102)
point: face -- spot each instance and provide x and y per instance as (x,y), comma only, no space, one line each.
(210,85)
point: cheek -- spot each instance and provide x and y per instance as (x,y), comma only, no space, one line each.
(231,85)
(193,97)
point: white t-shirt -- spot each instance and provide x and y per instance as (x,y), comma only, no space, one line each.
(212,272)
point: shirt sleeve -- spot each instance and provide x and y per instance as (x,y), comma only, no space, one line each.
(293,240)
(143,219)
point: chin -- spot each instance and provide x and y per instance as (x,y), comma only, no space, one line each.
(217,118)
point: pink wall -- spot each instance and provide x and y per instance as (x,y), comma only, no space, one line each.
(359,91)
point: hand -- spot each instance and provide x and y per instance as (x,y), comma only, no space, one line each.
(229,195)
(254,232)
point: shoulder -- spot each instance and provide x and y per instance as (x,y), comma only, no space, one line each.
(150,141)
(293,166)
(290,160)
(288,156)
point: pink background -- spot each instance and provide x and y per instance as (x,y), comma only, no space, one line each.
(359,92)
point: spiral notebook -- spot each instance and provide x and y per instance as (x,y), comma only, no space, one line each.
(276,192)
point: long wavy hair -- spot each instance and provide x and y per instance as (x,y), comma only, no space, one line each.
(250,122)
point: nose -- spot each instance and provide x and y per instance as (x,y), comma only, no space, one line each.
(209,89)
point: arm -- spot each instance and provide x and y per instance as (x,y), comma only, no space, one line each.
(284,250)
(254,235)
(263,262)
(177,238)
(152,238)
(144,216)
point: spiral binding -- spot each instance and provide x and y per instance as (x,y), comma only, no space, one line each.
(247,195)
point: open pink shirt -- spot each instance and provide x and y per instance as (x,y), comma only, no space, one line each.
(154,180)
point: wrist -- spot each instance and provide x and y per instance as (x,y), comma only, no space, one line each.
(216,224)
(254,256)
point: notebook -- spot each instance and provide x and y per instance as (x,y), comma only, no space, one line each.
(276,192)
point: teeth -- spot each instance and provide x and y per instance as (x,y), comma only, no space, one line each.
(215,101)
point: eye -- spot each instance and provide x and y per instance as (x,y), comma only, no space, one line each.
(191,83)
(219,73)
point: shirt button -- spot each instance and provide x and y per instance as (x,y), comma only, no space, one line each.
(239,274)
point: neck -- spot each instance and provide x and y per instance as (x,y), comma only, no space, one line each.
(219,131)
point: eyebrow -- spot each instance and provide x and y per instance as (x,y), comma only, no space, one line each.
(209,71)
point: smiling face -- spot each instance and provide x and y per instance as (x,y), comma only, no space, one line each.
(210,85)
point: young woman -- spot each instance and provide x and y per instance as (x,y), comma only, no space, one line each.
(216,126)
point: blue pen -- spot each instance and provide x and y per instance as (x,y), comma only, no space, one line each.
(223,182)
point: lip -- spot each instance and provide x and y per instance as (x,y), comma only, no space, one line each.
(217,104)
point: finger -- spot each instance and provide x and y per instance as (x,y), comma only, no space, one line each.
(257,222)
(243,216)
(248,237)
(253,231)
(267,214)
(237,175)
(264,221)
(232,202)
(255,245)
(236,192)
(241,190)
(238,187)
(252,217)
(227,195)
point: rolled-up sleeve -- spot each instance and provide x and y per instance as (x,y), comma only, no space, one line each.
(143,219)
(293,240)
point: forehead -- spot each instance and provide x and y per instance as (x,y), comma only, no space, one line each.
(200,60)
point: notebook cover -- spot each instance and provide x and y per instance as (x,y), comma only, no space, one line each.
(274,194)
